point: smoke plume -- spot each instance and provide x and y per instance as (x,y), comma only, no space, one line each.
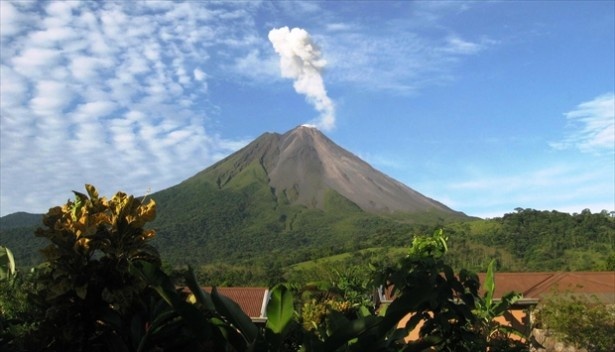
(300,60)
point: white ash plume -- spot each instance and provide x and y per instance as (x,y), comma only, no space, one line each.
(301,60)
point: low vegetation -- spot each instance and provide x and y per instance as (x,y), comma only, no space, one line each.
(102,288)
(525,240)
(582,321)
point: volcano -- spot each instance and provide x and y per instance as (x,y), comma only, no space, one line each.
(291,195)
(303,165)
(288,197)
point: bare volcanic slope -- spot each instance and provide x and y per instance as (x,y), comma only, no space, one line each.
(302,166)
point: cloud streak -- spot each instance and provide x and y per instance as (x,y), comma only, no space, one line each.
(491,194)
(591,126)
(301,61)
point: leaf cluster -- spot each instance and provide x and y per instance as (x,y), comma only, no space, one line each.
(83,293)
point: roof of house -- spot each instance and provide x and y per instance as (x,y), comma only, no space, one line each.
(252,300)
(537,285)
(540,284)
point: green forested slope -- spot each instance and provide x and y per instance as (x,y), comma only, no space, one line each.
(545,240)
(245,222)
(259,237)
(17,233)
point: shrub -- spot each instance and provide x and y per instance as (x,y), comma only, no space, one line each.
(84,289)
(580,320)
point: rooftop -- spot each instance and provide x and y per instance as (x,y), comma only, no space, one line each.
(252,300)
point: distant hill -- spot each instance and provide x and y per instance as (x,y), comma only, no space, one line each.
(20,219)
(17,233)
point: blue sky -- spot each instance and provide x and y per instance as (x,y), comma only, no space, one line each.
(485,106)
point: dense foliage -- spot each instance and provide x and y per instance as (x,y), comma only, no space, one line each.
(102,288)
(582,321)
(229,247)
(83,291)
(17,232)
(545,240)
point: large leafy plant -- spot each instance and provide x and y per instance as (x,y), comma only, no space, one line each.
(445,308)
(495,335)
(84,287)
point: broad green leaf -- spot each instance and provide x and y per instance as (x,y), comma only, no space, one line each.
(407,303)
(506,302)
(7,263)
(280,309)
(195,320)
(202,297)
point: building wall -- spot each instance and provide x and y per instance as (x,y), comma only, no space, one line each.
(518,318)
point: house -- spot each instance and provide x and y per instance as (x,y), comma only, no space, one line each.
(252,300)
(535,286)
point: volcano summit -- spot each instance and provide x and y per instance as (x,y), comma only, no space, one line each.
(302,165)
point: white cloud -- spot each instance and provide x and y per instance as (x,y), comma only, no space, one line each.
(257,66)
(51,97)
(456,45)
(591,126)
(339,27)
(34,61)
(96,109)
(52,36)
(198,74)
(395,58)
(108,93)
(13,88)
(10,19)
(86,68)
(399,56)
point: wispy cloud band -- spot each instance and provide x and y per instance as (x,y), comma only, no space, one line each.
(591,126)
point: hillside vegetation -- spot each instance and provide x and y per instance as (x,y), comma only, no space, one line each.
(230,246)
(543,240)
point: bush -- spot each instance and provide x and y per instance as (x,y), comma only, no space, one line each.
(84,292)
(579,320)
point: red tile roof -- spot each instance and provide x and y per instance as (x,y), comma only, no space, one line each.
(252,300)
(538,285)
